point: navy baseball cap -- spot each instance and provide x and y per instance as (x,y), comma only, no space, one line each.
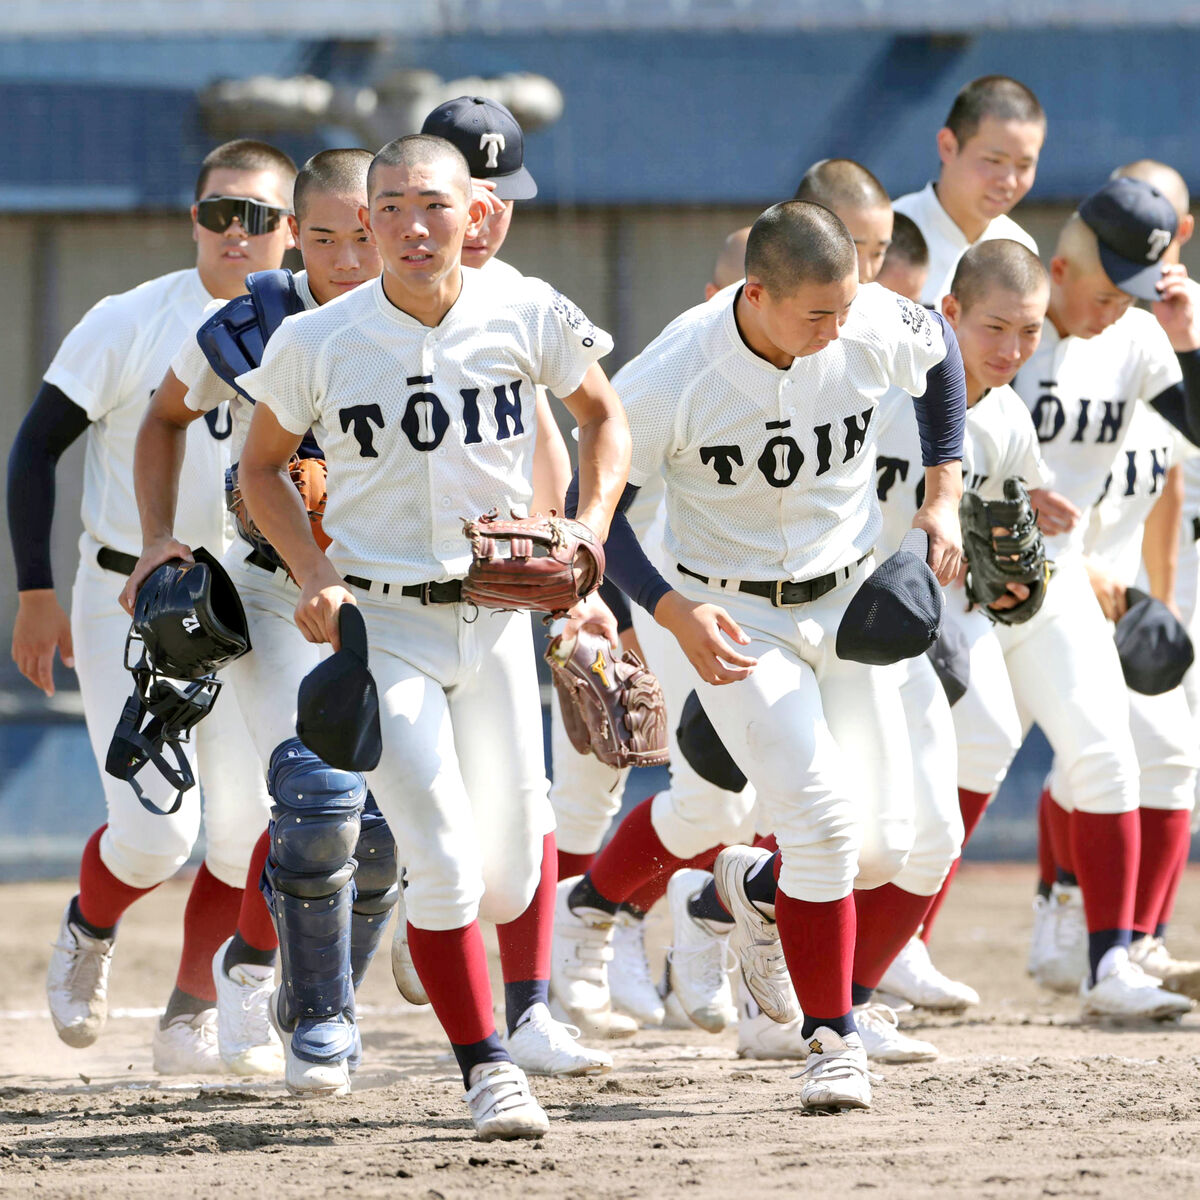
(703,749)
(897,612)
(490,139)
(1154,648)
(338,710)
(951,658)
(1134,224)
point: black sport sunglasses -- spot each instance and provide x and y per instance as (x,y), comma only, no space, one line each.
(218,213)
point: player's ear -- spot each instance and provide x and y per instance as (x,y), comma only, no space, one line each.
(364,219)
(754,291)
(947,144)
(1058,269)
(710,290)
(294,226)
(195,224)
(951,310)
(1187,226)
(477,214)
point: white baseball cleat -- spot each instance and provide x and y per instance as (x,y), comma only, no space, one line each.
(303,1077)
(1125,990)
(246,1040)
(403,971)
(878,1026)
(501,1104)
(698,961)
(754,939)
(913,977)
(674,1015)
(1039,937)
(605,1023)
(540,1045)
(188,1045)
(760,1037)
(837,1075)
(77,983)
(629,980)
(1177,974)
(579,959)
(1064,959)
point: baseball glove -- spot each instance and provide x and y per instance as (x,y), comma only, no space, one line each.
(611,707)
(539,570)
(1016,555)
(308,474)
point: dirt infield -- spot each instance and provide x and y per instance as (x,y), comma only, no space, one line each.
(1025,1101)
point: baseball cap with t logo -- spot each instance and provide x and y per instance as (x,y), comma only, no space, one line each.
(1134,223)
(490,140)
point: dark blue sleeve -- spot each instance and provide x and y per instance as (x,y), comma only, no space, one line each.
(1180,403)
(50,426)
(626,563)
(942,410)
(616,600)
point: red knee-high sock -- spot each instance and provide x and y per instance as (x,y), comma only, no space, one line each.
(254,919)
(1047,868)
(452,964)
(1168,905)
(972,805)
(885,918)
(1062,839)
(103,898)
(525,942)
(210,917)
(647,896)
(818,943)
(1166,834)
(570,865)
(633,857)
(1106,848)
(767,841)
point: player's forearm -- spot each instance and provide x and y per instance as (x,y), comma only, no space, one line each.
(1160,538)
(943,486)
(551,461)
(157,465)
(604,450)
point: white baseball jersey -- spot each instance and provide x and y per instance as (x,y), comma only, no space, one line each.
(206,389)
(110,365)
(1114,532)
(769,472)
(947,243)
(999,443)
(1082,393)
(423,427)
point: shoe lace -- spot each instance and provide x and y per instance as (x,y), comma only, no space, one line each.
(877,1017)
(837,1064)
(505,1088)
(86,967)
(710,960)
(253,1019)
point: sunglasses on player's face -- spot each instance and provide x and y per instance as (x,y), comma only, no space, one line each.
(219,212)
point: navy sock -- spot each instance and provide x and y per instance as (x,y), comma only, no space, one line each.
(840,1025)
(1101,942)
(489,1050)
(584,895)
(1043,889)
(1160,931)
(761,885)
(705,906)
(240,951)
(76,918)
(181,1004)
(1066,878)
(520,996)
(860,995)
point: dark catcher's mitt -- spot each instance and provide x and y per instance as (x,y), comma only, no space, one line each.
(539,570)
(1016,554)
(309,476)
(611,707)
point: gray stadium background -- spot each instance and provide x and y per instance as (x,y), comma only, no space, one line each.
(682,119)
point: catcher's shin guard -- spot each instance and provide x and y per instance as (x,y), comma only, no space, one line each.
(376,889)
(308,883)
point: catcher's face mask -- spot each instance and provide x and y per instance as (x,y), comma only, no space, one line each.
(188,623)
(219,212)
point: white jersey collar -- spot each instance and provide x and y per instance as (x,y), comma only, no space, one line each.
(455,314)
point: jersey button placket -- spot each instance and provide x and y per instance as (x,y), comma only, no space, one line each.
(782,394)
(438,489)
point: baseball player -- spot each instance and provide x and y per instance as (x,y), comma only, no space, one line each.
(762,499)
(906,265)
(99,383)
(461,779)
(988,150)
(730,265)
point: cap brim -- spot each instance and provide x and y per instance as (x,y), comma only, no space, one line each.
(517,186)
(1135,278)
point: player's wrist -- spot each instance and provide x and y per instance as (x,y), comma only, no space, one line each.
(36,597)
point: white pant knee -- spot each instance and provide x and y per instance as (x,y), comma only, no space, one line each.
(693,816)
(140,867)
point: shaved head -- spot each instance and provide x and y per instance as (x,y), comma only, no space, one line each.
(795,243)
(335,172)
(1166,179)
(421,150)
(999,263)
(1077,244)
(839,184)
(731,261)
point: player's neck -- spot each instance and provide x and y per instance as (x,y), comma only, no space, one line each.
(427,307)
(1052,315)
(972,227)
(218,288)
(744,318)
(975,389)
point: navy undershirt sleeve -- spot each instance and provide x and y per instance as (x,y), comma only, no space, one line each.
(616,600)
(626,563)
(1180,403)
(942,411)
(50,426)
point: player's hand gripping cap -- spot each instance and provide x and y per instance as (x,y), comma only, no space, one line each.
(188,623)
(994,560)
(611,707)
(337,715)
(1153,646)
(897,612)
(552,562)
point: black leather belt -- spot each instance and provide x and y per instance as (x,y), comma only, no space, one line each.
(448,591)
(256,558)
(1196,529)
(114,560)
(784,593)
